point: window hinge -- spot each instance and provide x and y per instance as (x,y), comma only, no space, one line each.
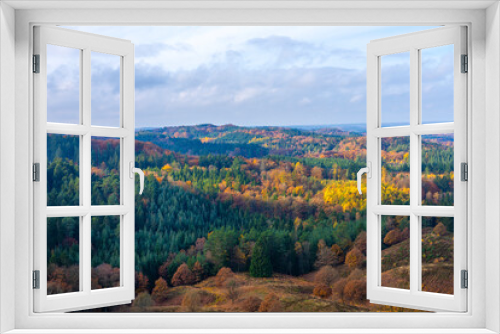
(465,279)
(464,171)
(465,64)
(36,63)
(36,279)
(36,172)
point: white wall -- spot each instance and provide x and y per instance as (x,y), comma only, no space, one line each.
(492,166)
(7,160)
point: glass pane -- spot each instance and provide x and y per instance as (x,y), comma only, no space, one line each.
(395,89)
(396,252)
(437,254)
(105,171)
(63,84)
(63,254)
(437,84)
(395,165)
(437,170)
(105,89)
(63,175)
(105,252)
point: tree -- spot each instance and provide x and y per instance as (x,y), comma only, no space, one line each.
(198,271)
(326,276)
(355,290)
(338,255)
(183,276)
(324,255)
(160,291)
(141,282)
(354,258)
(338,289)
(260,265)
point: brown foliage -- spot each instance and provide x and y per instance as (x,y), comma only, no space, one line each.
(393,237)
(326,276)
(355,290)
(338,254)
(405,234)
(183,276)
(322,291)
(232,290)
(251,304)
(354,258)
(439,229)
(198,271)
(141,282)
(271,304)
(160,291)
(338,289)
(107,276)
(222,276)
(195,299)
(360,242)
(324,255)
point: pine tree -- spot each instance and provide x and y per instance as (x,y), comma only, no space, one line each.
(261,266)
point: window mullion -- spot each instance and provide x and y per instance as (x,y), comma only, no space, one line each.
(86,175)
(414,170)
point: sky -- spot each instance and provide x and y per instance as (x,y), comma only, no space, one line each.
(250,76)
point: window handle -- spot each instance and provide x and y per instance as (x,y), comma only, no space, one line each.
(368,171)
(139,171)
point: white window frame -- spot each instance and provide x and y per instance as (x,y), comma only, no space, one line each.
(86,44)
(483,101)
(413,43)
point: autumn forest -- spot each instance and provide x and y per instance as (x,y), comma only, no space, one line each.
(250,219)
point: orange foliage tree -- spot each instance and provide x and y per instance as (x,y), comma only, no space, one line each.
(183,276)
(160,290)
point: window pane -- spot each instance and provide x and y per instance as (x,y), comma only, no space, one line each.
(395,171)
(395,89)
(396,252)
(105,252)
(437,84)
(63,175)
(105,171)
(437,170)
(105,89)
(437,254)
(63,253)
(63,84)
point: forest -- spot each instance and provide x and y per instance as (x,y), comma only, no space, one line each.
(249,219)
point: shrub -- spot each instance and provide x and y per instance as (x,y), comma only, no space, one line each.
(439,229)
(360,242)
(143,300)
(393,237)
(160,291)
(355,258)
(222,276)
(322,291)
(195,299)
(251,304)
(183,276)
(271,304)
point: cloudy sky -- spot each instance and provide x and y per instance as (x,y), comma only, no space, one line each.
(251,76)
